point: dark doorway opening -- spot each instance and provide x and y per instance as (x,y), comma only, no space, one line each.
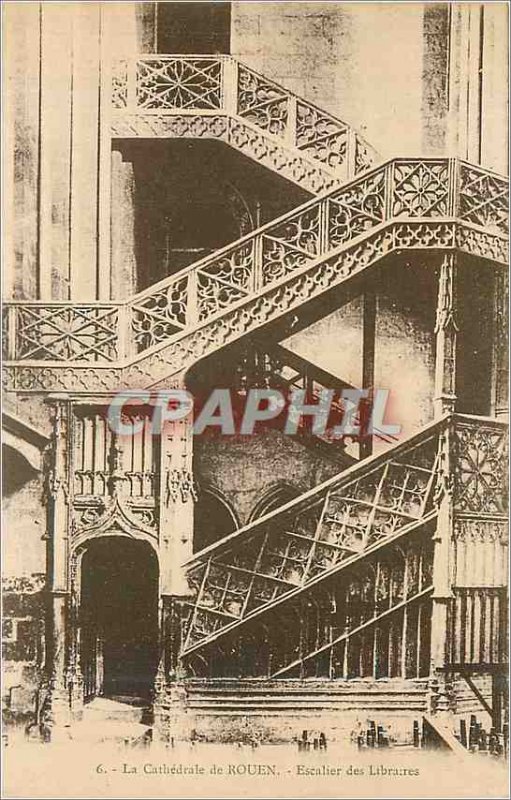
(198,28)
(476,322)
(213,519)
(119,618)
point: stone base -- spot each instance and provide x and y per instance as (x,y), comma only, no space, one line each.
(256,711)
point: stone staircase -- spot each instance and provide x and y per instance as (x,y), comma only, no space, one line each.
(249,711)
(362,215)
(328,529)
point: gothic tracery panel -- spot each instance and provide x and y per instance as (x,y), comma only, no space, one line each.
(481,469)
(307,542)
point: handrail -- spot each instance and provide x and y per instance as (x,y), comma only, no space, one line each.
(227,85)
(312,538)
(401,189)
(335,525)
(336,481)
(359,469)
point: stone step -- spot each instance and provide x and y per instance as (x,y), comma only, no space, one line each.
(304,686)
(304,712)
(110,710)
(297,696)
(295,699)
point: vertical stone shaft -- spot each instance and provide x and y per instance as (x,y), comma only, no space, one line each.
(446,330)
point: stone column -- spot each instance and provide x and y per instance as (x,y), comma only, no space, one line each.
(56,708)
(85,145)
(177,496)
(464,116)
(123,267)
(495,90)
(500,346)
(442,573)
(21,149)
(368,364)
(446,330)
(55,151)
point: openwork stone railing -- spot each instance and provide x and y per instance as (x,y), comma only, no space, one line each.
(477,612)
(442,203)
(374,517)
(328,528)
(216,96)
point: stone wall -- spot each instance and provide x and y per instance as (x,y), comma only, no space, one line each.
(404,336)
(22,646)
(247,469)
(347,57)
(23,581)
(407,76)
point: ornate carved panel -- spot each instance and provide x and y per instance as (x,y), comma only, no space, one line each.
(421,188)
(321,135)
(262,115)
(178,83)
(66,332)
(198,126)
(480,552)
(287,161)
(264,275)
(483,199)
(261,101)
(481,469)
(357,208)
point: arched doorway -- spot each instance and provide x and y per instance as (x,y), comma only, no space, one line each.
(119,618)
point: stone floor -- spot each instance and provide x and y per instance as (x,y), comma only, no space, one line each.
(108,761)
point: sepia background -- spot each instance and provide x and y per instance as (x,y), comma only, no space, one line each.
(290,195)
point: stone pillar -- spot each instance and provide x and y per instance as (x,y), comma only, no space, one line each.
(444,400)
(21,149)
(169,691)
(56,708)
(127,30)
(55,149)
(442,574)
(123,267)
(368,363)
(464,119)
(500,346)
(177,496)
(478,93)
(495,90)
(85,142)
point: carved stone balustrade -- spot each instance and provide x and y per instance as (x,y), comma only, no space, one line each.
(405,204)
